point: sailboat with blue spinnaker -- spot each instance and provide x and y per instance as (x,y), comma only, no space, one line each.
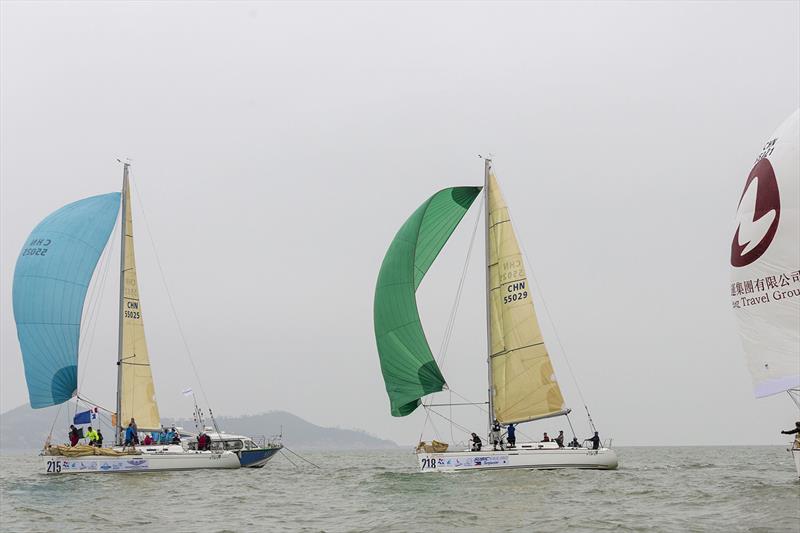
(51,279)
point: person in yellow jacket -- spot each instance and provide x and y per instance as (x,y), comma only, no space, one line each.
(92,437)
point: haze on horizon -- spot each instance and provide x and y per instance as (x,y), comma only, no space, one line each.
(278,147)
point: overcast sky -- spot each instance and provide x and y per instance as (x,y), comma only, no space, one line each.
(277,148)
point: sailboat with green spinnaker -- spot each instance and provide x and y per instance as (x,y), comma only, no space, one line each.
(522,383)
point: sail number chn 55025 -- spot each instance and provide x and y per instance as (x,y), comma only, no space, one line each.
(132,310)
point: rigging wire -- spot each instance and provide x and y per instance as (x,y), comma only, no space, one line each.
(572,429)
(448,332)
(464,428)
(287,458)
(553,325)
(300,456)
(171,303)
(86,348)
(53,425)
(435,429)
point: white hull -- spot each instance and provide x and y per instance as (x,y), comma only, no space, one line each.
(146,462)
(544,459)
(796,457)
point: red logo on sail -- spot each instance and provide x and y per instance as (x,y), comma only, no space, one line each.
(758,215)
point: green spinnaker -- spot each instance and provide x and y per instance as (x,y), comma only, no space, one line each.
(408,367)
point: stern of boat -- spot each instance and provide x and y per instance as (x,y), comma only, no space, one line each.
(257,458)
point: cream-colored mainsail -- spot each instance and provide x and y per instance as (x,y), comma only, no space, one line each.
(524,385)
(137,396)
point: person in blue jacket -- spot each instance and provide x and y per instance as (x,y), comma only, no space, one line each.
(511,436)
(130,437)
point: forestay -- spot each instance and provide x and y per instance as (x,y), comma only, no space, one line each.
(51,278)
(409,370)
(524,385)
(765,263)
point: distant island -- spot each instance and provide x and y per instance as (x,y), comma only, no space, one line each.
(24,428)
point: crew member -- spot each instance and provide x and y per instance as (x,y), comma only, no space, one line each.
(135,431)
(595,440)
(496,438)
(511,436)
(560,439)
(795,432)
(74,435)
(477,443)
(91,436)
(130,436)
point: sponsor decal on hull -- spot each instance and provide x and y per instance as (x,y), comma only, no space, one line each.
(470,461)
(57,466)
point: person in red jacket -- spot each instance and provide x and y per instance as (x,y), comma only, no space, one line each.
(74,435)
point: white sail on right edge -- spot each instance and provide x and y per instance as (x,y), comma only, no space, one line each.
(524,385)
(765,263)
(137,392)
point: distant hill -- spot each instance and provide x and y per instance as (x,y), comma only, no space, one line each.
(24,428)
(297,433)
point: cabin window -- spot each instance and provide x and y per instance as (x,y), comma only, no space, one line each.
(233,445)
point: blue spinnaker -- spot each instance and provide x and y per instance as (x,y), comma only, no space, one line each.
(51,277)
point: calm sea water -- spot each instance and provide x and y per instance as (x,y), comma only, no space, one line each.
(656,489)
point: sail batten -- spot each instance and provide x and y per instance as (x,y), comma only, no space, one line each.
(523,382)
(409,370)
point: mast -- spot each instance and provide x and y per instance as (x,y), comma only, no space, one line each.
(123,229)
(487,167)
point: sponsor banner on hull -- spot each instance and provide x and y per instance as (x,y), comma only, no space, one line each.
(472,461)
(57,466)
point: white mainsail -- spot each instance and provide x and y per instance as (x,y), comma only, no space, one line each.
(137,396)
(524,385)
(765,263)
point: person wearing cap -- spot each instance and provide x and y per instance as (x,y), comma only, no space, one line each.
(595,440)
(496,438)
(560,439)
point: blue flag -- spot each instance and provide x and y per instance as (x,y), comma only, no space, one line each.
(82,418)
